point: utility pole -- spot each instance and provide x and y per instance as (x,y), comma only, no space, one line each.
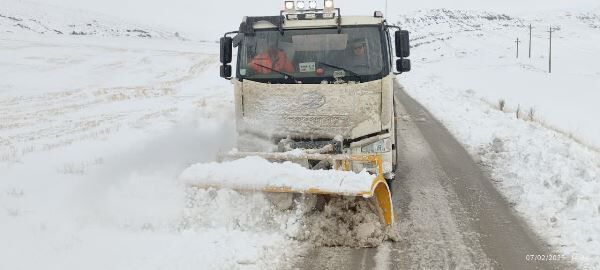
(550,51)
(386,8)
(518,41)
(530,27)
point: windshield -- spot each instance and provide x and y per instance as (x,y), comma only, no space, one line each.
(312,55)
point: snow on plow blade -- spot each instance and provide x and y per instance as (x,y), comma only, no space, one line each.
(252,171)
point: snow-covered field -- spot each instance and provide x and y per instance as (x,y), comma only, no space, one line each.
(94,132)
(465,62)
(477,51)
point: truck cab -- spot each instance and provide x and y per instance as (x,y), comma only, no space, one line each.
(315,80)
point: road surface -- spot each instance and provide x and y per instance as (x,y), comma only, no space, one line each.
(450,216)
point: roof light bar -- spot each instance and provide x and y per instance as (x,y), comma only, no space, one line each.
(308,10)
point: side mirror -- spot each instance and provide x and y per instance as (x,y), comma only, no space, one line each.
(225,71)
(402,42)
(226,50)
(226,55)
(403,65)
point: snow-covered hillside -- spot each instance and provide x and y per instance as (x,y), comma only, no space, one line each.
(29,17)
(465,62)
(477,50)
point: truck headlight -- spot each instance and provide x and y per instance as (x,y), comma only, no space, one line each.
(380,146)
(312,4)
(300,4)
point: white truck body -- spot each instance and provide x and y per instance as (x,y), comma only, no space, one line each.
(307,107)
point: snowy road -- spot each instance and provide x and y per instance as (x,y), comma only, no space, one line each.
(450,215)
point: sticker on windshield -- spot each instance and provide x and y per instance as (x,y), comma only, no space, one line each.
(339,74)
(307,67)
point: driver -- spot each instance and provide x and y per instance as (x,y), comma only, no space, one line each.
(358,56)
(273,58)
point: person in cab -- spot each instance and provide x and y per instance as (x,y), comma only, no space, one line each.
(358,58)
(273,59)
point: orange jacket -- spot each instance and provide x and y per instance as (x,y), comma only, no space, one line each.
(279,63)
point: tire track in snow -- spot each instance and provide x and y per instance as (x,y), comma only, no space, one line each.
(433,227)
(51,120)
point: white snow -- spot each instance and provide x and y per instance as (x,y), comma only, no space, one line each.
(94,131)
(457,46)
(461,70)
(32,18)
(255,173)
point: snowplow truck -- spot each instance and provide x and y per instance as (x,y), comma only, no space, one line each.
(316,88)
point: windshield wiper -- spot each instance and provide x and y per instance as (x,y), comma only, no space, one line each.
(344,69)
(280,72)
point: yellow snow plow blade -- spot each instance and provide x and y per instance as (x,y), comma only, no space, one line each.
(373,187)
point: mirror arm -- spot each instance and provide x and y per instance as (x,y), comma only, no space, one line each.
(392,26)
(230,33)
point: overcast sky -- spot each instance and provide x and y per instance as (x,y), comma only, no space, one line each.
(207,20)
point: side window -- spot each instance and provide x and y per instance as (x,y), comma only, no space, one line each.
(242,60)
(374,51)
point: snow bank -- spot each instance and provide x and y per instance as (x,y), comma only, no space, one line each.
(552,180)
(143,221)
(464,63)
(255,173)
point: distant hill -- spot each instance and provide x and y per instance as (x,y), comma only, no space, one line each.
(461,20)
(24,17)
(438,25)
